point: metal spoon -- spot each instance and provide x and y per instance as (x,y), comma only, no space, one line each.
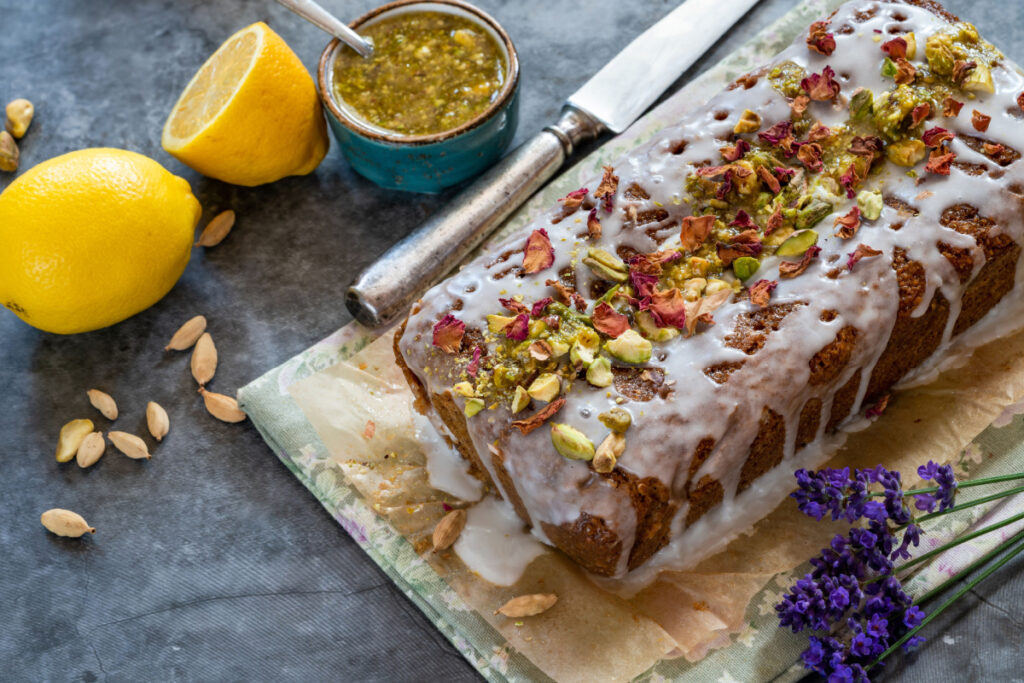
(321,18)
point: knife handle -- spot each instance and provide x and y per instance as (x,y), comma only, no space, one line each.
(386,289)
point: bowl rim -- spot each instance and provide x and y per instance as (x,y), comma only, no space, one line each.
(356,126)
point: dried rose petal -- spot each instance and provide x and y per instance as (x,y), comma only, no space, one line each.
(934,137)
(951,107)
(474,365)
(849,180)
(694,230)
(992,149)
(819,39)
(774,221)
(712,171)
(783,173)
(878,408)
(579,302)
(769,179)
(743,220)
(539,254)
(539,306)
(513,305)
(528,424)
(775,134)
(643,284)
(607,188)
(862,251)
(850,223)
(562,293)
(552,321)
(818,132)
(895,48)
(810,156)
(920,113)
(799,105)
(939,162)
(518,329)
(821,86)
(448,333)
(905,72)
(593,225)
(609,321)
(1020,101)
(735,152)
(761,291)
(668,308)
(961,69)
(790,269)
(541,350)
(980,121)
(574,199)
(744,244)
(868,146)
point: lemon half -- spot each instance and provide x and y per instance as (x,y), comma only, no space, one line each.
(251,115)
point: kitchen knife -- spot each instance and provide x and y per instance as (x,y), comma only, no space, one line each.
(610,101)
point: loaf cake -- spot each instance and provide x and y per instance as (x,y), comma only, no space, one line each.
(640,370)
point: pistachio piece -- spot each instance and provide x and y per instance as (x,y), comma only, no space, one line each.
(745,267)
(448,529)
(905,152)
(812,213)
(66,523)
(187,335)
(870,204)
(716,285)
(497,323)
(527,605)
(129,444)
(938,50)
(558,348)
(797,243)
(748,184)
(520,400)
(473,406)
(606,265)
(9,153)
(648,328)
(571,442)
(599,373)
(103,402)
(616,419)
(749,122)
(608,453)
(545,388)
(463,389)
(693,288)
(19,117)
(630,347)
(222,407)
(860,104)
(71,437)
(581,354)
(979,80)
(157,421)
(91,450)
(911,44)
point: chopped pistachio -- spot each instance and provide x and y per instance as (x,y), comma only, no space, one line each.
(749,122)
(473,406)
(545,388)
(520,400)
(536,327)
(616,419)
(979,80)
(938,50)
(745,266)
(749,184)
(599,373)
(497,323)
(797,243)
(716,285)
(463,389)
(870,204)
(889,68)
(558,348)
(608,453)
(905,152)
(648,328)
(693,287)
(860,104)
(911,44)
(606,265)
(571,442)
(812,214)
(630,347)
(580,354)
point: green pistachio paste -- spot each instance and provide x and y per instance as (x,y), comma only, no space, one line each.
(430,72)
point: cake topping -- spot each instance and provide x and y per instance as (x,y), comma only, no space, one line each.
(539,254)
(761,291)
(527,425)
(593,225)
(819,39)
(847,223)
(951,108)
(861,252)
(571,442)
(448,333)
(895,48)
(788,269)
(606,190)
(821,86)
(608,321)
(980,121)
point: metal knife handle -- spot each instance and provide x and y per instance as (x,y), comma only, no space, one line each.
(386,289)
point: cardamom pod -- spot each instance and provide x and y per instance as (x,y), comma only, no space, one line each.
(103,402)
(448,529)
(187,335)
(91,449)
(222,407)
(217,229)
(71,437)
(130,445)
(204,359)
(157,421)
(66,523)
(527,605)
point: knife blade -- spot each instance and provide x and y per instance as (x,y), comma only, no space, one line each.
(610,101)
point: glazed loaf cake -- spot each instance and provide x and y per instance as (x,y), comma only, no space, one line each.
(640,371)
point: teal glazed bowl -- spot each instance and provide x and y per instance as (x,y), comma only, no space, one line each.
(424,163)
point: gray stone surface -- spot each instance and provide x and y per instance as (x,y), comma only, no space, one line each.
(211,562)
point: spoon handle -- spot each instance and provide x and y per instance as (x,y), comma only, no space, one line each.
(318,16)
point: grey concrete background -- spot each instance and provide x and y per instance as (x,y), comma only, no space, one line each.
(211,562)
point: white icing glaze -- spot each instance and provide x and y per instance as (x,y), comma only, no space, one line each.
(447,470)
(495,544)
(666,433)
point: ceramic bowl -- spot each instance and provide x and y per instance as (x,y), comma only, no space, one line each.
(424,163)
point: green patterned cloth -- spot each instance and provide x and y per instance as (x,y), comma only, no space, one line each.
(761,651)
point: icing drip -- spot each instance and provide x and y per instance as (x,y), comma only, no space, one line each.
(494,544)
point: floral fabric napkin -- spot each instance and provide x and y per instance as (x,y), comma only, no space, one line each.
(762,651)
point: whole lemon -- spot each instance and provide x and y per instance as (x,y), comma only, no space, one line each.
(251,114)
(92,237)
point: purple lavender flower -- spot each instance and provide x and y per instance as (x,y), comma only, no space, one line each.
(946,481)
